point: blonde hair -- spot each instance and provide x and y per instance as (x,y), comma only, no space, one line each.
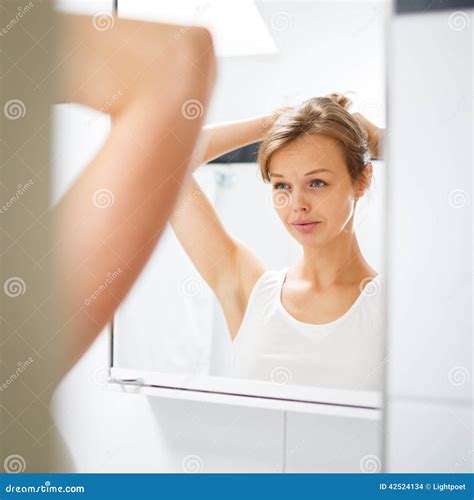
(326,115)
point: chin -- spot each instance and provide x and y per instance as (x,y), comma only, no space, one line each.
(311,243)
(307,240)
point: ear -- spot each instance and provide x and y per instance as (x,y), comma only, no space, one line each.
(365,180)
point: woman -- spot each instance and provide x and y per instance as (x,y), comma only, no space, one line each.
(319,321)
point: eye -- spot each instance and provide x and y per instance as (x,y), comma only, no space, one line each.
(278,184)
(319,180)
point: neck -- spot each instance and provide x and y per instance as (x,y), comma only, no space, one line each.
(339,261)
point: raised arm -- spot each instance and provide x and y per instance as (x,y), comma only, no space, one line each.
(109,222)
(228,136)
(228,265)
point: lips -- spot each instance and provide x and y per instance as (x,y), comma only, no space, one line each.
(305,226)
(302,222)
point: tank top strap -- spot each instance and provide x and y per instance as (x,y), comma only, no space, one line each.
(269,284)
(264,297)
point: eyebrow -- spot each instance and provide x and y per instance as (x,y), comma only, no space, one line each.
(309,173)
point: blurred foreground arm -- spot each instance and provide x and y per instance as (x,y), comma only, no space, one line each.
(146,75)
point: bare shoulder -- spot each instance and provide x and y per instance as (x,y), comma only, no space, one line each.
(236,283)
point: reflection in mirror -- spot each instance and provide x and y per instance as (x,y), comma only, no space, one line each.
(272,267)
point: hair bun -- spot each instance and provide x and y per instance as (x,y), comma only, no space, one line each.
(340,99)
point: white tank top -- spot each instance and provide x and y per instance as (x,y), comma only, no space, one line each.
(347,353)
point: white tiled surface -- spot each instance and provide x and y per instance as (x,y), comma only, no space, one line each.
(105,431)
(429,382)
(430,208)
(429,437)
(317,443)
(221,438)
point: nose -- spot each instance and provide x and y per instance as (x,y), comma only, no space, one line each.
(299,202)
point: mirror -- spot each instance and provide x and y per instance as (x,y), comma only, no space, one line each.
(313,326)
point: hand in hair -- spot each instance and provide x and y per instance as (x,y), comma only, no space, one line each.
(374,135)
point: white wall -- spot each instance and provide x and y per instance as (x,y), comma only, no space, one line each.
(323,46)
(108,431)
(429,378)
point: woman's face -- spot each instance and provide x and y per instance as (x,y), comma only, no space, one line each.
(311,183)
